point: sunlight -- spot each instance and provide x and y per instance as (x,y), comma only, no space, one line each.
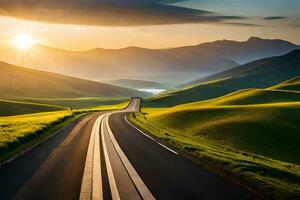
(23,42)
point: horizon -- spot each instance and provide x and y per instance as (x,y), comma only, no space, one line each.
(12,45)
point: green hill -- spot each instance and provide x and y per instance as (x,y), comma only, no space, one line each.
(257,144)
(252,135)
(259,74)
(293,85)
(17,108)
(76,103)
(254,96)
(22,82)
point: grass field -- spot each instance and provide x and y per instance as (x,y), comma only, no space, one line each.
(8,107)
(293,85)
(75,103)
(253,97)
(19,132)
(261,74)
(19,106)
(251,136)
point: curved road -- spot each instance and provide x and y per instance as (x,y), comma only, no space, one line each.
(103,156)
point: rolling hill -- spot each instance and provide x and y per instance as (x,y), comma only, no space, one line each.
(258,74)
(293,85)
(251,134)
(23,82)
(16,108)
(258,144)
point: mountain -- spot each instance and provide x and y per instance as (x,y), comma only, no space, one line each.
(175,65)
(127,63)
(22,82)
(258,74)
(243,52)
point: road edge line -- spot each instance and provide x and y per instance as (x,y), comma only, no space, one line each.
(138,182)
(164,146)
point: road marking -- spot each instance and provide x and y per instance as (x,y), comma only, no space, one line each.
(167,148)
(111,178)
(138,182)
(149,136)
(91,186)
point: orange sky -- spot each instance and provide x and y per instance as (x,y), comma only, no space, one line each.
(79,37)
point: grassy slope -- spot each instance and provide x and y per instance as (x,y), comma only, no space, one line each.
(252,134)
(22,82)
(253,96)
(19,132)
(291,85)
(199,92)
(76,103)
(259,74)
(259,145)
(8,107)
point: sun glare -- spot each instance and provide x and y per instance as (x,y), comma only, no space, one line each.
(23,42)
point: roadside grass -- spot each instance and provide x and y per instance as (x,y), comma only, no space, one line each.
(75,103)
(17,133)
(257,145)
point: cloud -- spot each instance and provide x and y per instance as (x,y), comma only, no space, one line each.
(109,12)
(274,18)
(243,24)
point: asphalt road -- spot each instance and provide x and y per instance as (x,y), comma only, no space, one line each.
(102,156)
(52,170)
(168,175)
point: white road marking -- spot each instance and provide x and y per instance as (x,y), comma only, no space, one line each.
(167,148)
(111,178)
(149,136)
(91,186)
(138,182)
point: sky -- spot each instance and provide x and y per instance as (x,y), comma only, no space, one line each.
(85,24)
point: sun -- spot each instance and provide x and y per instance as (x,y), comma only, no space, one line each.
(23,42)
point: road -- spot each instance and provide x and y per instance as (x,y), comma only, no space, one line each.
(103,156)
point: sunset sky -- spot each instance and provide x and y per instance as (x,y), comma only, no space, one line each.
(86,24)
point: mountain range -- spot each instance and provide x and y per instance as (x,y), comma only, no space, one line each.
(174,65)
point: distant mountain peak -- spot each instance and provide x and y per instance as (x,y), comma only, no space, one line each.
(254,38)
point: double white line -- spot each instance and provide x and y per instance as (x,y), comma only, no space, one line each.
(91,187)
